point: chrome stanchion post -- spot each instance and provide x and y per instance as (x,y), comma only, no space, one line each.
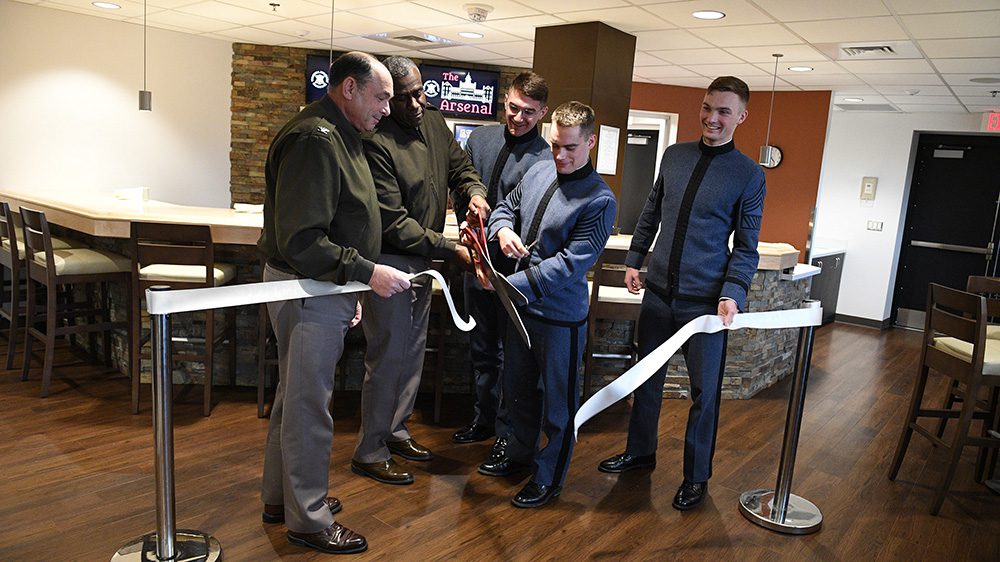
(166,543)
(779,509)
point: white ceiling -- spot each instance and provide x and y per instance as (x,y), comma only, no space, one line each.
(941,45)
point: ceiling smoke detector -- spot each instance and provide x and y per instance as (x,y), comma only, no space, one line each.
(477,12)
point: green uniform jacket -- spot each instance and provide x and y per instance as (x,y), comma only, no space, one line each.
(413,170)
(320,209)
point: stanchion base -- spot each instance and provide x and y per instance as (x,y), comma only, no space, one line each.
(801,518)
(190,546)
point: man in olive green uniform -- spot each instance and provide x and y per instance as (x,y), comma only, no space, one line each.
(415,161)
(320,222)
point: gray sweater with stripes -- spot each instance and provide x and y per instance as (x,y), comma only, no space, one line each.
(704,193)
(570,216)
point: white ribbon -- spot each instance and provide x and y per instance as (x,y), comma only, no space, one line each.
(707,324)
(187,300)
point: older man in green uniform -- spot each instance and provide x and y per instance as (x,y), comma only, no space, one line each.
(415,161)
(321,222)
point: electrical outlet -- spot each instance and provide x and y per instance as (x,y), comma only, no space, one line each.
(875,226)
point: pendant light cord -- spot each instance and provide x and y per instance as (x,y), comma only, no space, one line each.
(774,82)
(332,4)
(144,44)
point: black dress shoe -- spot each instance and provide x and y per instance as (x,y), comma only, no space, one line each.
(690,494)
(276,513)
(501,467)
(387,472)
(499,449)
(627,461)
(335,539)
(473,433)
(534,494)
(409,450)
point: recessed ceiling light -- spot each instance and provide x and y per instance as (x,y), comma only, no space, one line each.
(708,14)
(106,5)
(470,34)
(856,100)
(800,68)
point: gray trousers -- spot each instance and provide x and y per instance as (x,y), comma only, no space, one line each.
(310,337)
(396,333)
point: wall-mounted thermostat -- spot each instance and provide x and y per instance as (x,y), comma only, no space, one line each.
(868,185)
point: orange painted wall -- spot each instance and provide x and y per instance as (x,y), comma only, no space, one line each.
(798,127)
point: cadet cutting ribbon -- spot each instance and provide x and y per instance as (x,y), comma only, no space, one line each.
(708,324)
(187,300)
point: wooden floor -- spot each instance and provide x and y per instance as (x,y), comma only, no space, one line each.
(76,477)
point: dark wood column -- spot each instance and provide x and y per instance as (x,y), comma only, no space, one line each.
(592,63)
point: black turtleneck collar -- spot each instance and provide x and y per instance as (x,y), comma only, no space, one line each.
(716,150)
(580,173)
(511,140)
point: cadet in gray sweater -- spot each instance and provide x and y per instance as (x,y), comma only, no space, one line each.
(501,154)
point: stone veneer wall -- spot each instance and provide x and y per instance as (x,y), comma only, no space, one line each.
(755,359)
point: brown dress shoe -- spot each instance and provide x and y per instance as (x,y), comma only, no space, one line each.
(387,471)
(276,513)
(409,450)
(335,539)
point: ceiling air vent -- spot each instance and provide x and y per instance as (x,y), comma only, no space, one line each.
(869,51)
(412,39)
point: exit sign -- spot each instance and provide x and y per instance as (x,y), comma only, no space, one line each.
(991,121)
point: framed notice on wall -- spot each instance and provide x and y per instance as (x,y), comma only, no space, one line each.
(460,92)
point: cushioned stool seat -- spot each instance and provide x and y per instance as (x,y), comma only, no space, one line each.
(57,244)
(167,273)
(85,261)
(963,350)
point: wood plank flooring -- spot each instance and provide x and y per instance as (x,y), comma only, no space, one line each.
(76,478)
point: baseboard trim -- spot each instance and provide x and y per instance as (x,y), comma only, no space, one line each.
(868,322)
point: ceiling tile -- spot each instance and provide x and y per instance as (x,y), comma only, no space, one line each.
(903,79)
(627,19)
(490,35)
(666,71)
(523,27)
(514,49)
(984,91)
(869,98)
(857,90)
(939,6)
(966,79)
(961,48)
(128,9)
(646,59)
(923,100)
(820,67)
(742,70)
(696,56)
(790,52)
(807,78)
(911,108)
(345,23)
(944,26)
(355,43)
(692,82)
(286,8)
(763,83)
(738,12)
(797,10)
(304,31)
(228,12)
(580,5)
(516,63)
(172,4)
(466,53)
(747,35)
(410,16)
(342,5)
(967,66)
(667,39)
(421,55)
(849,30)
(258,36)
(909,66)
(501,8)
(983,108)
(188,21)
(902,90)
(309,45)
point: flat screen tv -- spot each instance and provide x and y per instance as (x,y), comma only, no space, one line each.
(317,76)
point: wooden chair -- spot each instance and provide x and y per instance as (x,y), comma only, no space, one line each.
(12,274)
(954,345)
(610,300)
(986,409)
(178,255)
(54,270)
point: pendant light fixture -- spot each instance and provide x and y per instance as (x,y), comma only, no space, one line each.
(332,5)
(145,96)
(770,156)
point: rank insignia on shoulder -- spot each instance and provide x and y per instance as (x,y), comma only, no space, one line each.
(323,130)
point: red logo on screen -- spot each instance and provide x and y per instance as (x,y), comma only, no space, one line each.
(993,122)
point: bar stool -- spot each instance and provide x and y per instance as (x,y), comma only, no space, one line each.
(178,255)
(12,260)
(610,300)
(56,269)
(954,345)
